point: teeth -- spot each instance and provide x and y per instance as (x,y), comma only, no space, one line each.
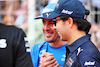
(60,35)
(47,34)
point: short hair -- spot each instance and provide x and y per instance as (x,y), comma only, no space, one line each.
(82,24)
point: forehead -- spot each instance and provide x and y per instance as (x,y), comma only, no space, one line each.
(47,19)
(57,17)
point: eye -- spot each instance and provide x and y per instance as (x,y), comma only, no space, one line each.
(54,23)
(51,23)
(43,22)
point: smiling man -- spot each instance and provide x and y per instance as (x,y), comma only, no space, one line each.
(70,21)
(52,52)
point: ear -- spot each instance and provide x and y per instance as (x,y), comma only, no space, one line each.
(70,22)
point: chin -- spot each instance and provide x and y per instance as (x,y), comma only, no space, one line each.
(63,39)
(48,40)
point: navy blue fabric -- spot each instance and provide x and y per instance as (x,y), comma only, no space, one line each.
(72,8)
(83,53)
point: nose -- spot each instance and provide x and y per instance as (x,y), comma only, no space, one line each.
(54,27)
(47,27)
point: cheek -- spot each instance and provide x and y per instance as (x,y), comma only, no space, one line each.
(58,27)
(43,28)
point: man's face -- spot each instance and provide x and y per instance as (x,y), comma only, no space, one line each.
(50,33)
(62,28)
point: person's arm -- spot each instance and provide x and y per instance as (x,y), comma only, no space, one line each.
(22,50)
(48,60)
(34,55)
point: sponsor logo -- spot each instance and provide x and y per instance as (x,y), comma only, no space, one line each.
(47,10)
(41,52)
(25,39)
(66,11)
(3,43)
(27,44)
(63,59)
(89,63)
(79,50)
(70,61)
(47,14)
(57,5)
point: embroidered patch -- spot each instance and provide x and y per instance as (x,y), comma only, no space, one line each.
(79,50)
(89,63)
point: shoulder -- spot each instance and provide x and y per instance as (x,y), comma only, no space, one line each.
(12,34)
(14,29)
(89,53)
(89,48)
(9,28)
(38,45)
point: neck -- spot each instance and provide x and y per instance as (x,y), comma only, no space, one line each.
(57,43)
(76,35)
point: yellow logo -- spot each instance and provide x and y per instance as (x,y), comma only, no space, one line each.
(57,5)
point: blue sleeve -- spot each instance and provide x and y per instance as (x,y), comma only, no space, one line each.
(90,61)
(33,53)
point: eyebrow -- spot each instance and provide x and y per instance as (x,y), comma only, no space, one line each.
(48,20)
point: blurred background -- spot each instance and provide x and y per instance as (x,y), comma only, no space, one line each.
(21,13)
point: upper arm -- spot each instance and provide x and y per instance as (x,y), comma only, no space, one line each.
(23,58)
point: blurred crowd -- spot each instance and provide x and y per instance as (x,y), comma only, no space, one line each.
(15,12)
(95,32)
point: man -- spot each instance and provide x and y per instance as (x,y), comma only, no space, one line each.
(14,47)
(70,21)
(52,45)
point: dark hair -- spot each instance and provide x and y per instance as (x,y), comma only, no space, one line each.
(63,17)
(82,24)
(87,12)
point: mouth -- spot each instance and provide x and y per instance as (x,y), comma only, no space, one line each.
(48,34)
(60,35)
